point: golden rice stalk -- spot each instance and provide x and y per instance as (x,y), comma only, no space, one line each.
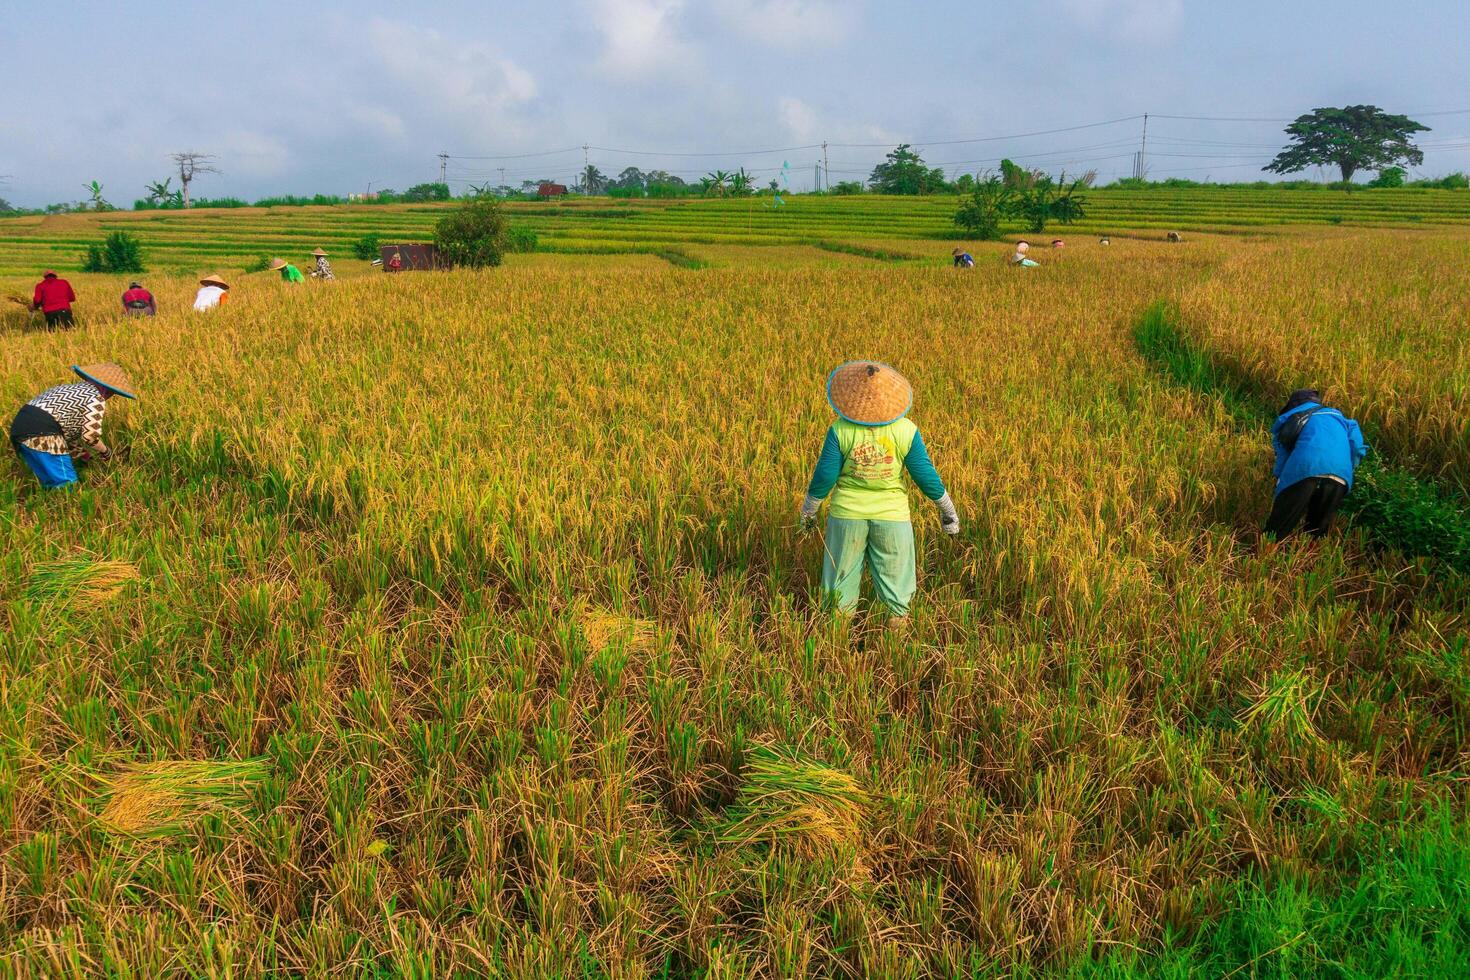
(83,580)
(160,799)
(805,806)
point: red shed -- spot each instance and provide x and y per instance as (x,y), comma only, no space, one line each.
(549,189)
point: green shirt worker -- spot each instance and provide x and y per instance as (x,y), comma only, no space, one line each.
(289,273)
(861,466)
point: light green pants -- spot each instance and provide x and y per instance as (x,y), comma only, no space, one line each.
(888,547)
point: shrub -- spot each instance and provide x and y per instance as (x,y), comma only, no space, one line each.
(473,234)
(845,187)
(367,247)
(262,263)
(1389,177)
(120,252)
(521,240)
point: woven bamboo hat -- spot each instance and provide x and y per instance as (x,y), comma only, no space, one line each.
(107,375)
(869,393)
(318,251)
(277,264)
(213,279)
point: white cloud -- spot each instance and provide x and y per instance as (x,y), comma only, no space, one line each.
(1142,21)
(798,118)
(641,38)
(789,23)
(450,76)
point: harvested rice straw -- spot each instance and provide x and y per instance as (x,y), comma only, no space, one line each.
(603,627)
(160,799)
(85,580)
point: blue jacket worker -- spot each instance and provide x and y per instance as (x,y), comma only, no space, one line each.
(1317,450)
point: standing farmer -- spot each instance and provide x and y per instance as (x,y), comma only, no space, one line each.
(138,301)
(864,455)
(64,423)
(54,297)
(323,268)
(1317,450)
(289,273)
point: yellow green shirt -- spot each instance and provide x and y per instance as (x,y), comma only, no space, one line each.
(870,486)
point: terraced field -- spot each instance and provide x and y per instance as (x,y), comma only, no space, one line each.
(191,241)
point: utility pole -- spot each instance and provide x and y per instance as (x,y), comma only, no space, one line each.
(816,176)
(1143,151)
(502,177)
(826,170)
(443,166)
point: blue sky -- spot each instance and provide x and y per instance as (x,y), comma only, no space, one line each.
(296,98)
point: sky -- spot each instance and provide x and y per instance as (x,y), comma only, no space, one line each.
(343,97)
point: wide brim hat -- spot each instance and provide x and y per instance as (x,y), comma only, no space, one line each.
(107,375)
(869,393)
(317,251)
(958,251)
(213,279)
(277,265)
(48,273)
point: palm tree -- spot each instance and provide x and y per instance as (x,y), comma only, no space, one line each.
(741,183)
(594,181)
(716,183)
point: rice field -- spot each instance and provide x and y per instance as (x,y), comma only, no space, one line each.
(459,624)
(201,240)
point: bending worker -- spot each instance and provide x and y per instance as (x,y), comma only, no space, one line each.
(54,297)
(63,425)
(138,301)
(963,259)
(1021,258)
(1317,450)
(289,273)
(213,292)
(863,457)
(323,268)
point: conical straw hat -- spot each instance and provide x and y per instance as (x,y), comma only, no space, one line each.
(277,264)
(213,279)
(109,376)
(869,393)
(318,251)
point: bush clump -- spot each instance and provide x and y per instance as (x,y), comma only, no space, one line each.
(120,252)
(474,234)
(367,247)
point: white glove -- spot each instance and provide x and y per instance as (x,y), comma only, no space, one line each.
(809,508)
(949,518)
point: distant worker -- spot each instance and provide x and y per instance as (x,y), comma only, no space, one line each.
(1022,247)
(1105,240)
(63,425)
(1057,243)
(863,457)
(1317,450)
(323,268)
(54,297)
(138,301)
(395,263)
(289,273)
(213,292)
(963,259)
(1174,237)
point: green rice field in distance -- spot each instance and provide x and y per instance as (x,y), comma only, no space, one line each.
(223,239)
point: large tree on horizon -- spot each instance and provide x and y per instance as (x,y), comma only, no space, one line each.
(1353,138)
